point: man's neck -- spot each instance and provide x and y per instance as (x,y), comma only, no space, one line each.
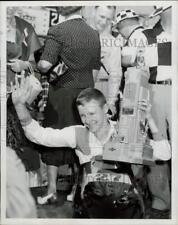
(103,133)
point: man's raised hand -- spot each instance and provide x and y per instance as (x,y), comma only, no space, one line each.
(21,90)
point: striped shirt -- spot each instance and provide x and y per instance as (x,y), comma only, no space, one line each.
(157,52)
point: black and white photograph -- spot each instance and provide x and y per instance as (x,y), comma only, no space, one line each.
(89,112)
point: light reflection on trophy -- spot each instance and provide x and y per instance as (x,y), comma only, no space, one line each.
(130,143)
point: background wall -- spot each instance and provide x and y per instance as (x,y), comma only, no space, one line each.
(43,17)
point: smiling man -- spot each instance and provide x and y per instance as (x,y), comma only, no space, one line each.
(88,141)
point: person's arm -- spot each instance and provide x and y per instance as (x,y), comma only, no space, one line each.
(52,49)
(145,106)
(97,60)
(129,56)
(18,65)
(115,74)
(129,53)
(154,130)
(44,66)
(161,149)
(34,132)
(95,75)
(161,146)
(49,136)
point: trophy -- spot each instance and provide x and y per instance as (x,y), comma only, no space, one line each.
(130,143)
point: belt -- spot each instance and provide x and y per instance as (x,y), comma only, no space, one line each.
(162,82)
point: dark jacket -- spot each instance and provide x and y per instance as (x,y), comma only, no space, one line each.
(78,45)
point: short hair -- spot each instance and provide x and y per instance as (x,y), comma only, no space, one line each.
(90,94)
(68,10)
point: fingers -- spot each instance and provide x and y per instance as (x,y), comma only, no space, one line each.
(144,102)
(144,105)
(12,87)
(40,103)
(11,62)
(23,80)
(17,85)
(28,92)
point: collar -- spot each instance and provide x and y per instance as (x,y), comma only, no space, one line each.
(72,17)
(111,131)
(139,27)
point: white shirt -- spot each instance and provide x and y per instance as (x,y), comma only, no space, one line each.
(66,137)
(138,39)
(111,59)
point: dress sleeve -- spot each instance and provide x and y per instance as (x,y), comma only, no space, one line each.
(161,149)
(53,45)
(50,137)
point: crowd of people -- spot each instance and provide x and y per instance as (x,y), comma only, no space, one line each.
(81,113)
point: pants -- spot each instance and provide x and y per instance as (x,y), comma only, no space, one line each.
(158,183)
(158,178)
(108,200)
(161,108)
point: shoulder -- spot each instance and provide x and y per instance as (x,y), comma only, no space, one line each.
(81,132)
(138,34)
(138,38)
(79,128)
(55,30)
(163,37)
(150,35)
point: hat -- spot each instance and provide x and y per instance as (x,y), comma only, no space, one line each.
(159,10)
(125,14)
(67,10)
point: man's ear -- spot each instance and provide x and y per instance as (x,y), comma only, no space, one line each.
(105,107)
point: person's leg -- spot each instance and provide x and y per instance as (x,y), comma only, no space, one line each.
(158,178)
(158,183)
(168,107)
(75,167)
(52,177)
(159,101)
(51,195)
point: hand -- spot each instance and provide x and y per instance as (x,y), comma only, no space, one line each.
(21,91)
(145,106)
(128,55)
(18,65)
(41,105)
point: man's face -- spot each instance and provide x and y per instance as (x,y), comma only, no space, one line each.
(93,115)
(103,18)
(126,26)
(123,29)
